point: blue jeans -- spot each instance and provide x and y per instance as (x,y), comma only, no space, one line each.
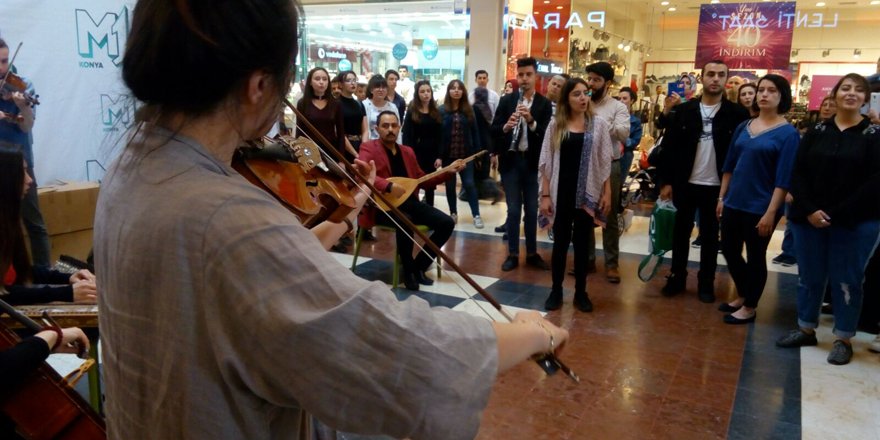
(787,237)
(467,182)
(521,190)
(834,256)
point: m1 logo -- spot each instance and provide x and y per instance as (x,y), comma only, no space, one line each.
(102,39)
(117,111)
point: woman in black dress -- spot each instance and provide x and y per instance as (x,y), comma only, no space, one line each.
(422,130)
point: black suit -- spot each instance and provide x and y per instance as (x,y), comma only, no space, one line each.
(519,170)
(541,111)
(684,126)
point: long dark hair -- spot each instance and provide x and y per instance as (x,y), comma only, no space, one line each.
(12,249)
(213,46)
(481,103)
(416,104)
(463,105)
(309,91)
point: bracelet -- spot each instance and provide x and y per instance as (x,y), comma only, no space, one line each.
(58,332)
(545,195)
(721,199)
(552,342)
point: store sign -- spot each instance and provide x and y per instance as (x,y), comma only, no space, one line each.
(399,51)
(344,65)
(430,47)
(746,35)
(550,68)
(555,20)
(330,54)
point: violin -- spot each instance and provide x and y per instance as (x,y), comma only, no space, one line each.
(45,406)
(292,170)
(12,83)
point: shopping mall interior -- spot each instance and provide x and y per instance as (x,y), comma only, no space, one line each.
(649,365)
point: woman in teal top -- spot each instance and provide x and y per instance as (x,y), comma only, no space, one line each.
(755,180)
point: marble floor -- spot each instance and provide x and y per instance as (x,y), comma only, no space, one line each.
(651,366)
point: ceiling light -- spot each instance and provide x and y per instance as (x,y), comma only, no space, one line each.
(857,53)
(627,48)
(560,40)
(719,1)
(606,36)
(559,7)
(875,2)
(620,45)
(546,2)
(596,34)
(820,4)
(671,9)
(826,52)
(664,3)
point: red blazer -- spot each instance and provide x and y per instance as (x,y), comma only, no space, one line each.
(375,151)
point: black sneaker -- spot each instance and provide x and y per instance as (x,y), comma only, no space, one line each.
(784,260)
(536,261)
(554,301)
(675,284)
(501,228)
(510,263)
(841,353)
(697,243)
(582,302)
(797,338)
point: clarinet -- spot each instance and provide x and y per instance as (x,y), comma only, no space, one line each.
(516,128)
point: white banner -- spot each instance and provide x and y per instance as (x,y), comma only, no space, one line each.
(72,51)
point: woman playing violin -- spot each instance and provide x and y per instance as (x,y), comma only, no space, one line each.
(223,317)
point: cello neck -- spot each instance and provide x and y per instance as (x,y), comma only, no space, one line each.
(445,169)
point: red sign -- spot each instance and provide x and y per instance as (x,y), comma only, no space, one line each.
(746,35)
(820,87)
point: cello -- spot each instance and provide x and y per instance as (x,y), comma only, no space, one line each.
(45,406)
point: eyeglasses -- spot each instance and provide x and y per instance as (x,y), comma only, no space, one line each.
(351,81)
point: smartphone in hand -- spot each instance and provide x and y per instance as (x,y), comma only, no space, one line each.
(675,87)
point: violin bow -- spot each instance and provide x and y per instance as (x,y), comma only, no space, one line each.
(548,362)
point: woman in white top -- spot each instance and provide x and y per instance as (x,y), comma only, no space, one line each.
(376,102)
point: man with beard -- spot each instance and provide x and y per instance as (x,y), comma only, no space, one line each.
(599,77)
(698,134)
(396,160)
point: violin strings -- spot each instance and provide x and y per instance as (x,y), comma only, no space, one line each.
(409,236)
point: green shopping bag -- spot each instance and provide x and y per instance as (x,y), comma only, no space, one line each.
(660,238)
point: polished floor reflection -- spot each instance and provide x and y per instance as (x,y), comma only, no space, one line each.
(651,366)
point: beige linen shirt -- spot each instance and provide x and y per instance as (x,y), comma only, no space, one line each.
(615,114)
(223,318)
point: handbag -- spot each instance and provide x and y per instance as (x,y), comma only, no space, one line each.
(659,238)
(601,53)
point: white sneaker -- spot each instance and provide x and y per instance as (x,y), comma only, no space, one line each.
(875,345)
(478,222)
(454,218)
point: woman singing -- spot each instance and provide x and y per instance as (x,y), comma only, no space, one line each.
(575,188)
